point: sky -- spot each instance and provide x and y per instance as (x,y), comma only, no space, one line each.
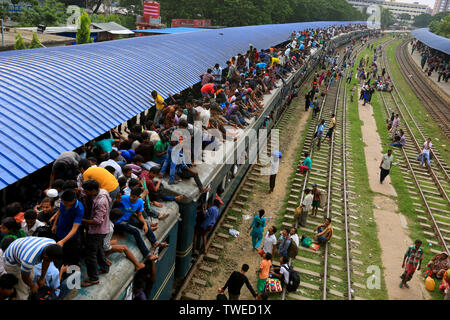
(429,3)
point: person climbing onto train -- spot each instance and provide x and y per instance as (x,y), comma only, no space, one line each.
(208,221)
(256,229)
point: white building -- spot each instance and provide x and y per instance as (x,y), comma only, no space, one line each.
(441,6)
(397,8)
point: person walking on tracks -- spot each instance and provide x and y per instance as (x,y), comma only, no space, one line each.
(274,164)
(256,229)
(319,134)
(385,165)
(235,283)
(413,258)
(316,199)
(305,207)
(332,127)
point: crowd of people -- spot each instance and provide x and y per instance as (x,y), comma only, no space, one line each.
(432,62)
(113,184)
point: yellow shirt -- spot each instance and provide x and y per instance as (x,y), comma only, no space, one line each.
(104,178)
(159,102)
(275,60)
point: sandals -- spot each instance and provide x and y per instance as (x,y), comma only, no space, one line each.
(89,283)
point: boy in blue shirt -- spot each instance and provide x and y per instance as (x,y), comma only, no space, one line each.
(132,221)
(67,221)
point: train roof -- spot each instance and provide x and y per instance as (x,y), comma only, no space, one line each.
(121,272)
(59,98)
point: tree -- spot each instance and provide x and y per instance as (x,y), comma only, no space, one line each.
(51,13)
(422,20)
(387,19)
(20,43)
(35,42)
(84,31)
(441,28)
(404,17)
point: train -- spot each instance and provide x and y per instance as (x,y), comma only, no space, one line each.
(176,260)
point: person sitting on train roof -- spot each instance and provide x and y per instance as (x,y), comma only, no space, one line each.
(133,221)
(111,246)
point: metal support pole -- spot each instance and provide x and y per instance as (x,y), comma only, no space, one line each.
(3,34)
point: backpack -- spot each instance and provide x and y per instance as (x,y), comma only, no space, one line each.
(306,242)
(292,250)
(294,280)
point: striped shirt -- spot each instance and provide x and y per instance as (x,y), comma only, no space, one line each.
(27,252)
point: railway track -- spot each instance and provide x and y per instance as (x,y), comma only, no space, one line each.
(337,192)
(330,267)
(236,204)
(434,103)
(427,186)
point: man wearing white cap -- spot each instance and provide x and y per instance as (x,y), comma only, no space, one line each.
(274,163)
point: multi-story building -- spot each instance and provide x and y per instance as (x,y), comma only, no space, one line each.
(397,8)
(441,6)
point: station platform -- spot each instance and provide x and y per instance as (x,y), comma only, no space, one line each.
(444,86)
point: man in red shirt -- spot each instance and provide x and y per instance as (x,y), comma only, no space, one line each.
(208,88)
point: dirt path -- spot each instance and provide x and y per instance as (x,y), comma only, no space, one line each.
(392,226)
(373,150)
(239,251)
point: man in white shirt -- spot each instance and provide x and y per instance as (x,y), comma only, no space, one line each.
(30,223)
(425,152)
(283,270)
(274,164)
(294,236)
(385,165)
(270,240)
(113,157)
(306,206)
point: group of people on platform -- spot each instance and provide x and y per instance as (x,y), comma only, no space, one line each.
(434,61)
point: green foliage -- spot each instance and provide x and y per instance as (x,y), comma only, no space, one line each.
(128,21)
(20,43)
(404,17)
(84,31)
(51,13)
(35,42)
(253,12)
(387,19)
(441,28)
(422,20)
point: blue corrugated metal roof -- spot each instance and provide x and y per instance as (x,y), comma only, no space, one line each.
(170,30)
(432,40)
(56,99)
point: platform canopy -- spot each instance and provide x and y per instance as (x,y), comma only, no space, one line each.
(56,99)
(432,40)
